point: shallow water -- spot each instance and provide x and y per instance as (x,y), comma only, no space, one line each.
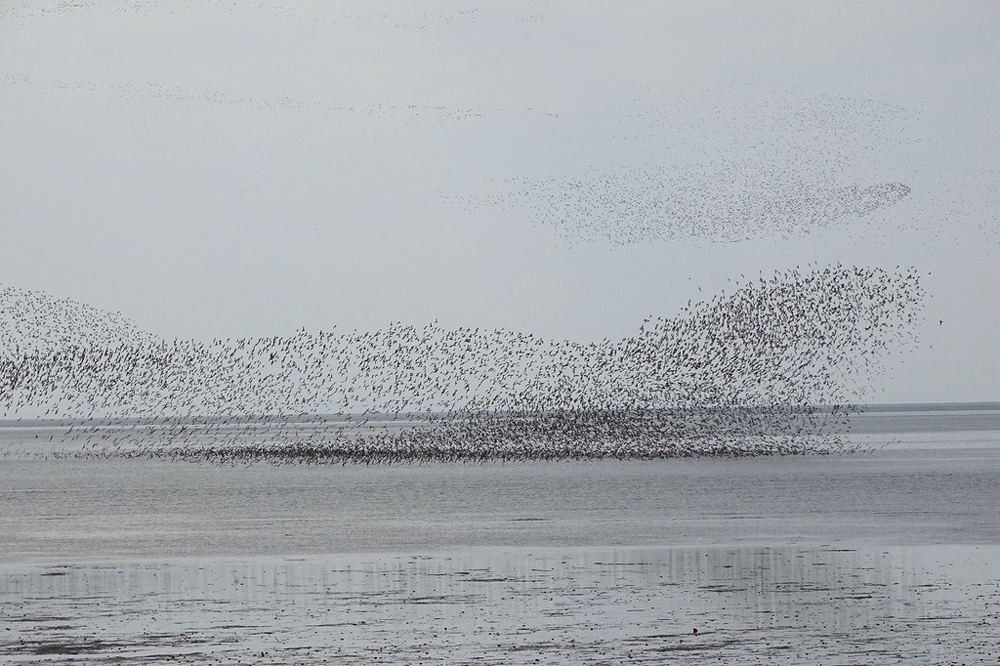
(750,605)
(81,509)
(873,558)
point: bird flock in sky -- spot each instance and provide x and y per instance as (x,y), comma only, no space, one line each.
(774,367)
(649,203)
(730,163)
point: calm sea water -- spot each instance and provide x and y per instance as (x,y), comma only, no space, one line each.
(887,557)
(933,479)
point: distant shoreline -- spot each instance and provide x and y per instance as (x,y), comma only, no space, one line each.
(933,407)
(415,417)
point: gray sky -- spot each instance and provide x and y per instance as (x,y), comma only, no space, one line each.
(219,171)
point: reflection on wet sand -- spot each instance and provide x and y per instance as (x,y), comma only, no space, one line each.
(748,604)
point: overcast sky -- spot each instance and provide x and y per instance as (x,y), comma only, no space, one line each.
(237,169)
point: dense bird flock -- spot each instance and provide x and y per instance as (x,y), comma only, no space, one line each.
(655,203)
(731,163)
(772,368)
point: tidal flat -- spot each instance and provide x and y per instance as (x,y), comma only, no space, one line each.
(733,605)
(885,557)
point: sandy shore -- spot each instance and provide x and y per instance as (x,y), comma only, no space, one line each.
(750,605)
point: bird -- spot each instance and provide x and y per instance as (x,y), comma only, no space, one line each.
(774,366)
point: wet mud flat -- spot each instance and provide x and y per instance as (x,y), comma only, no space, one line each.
(750,605)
